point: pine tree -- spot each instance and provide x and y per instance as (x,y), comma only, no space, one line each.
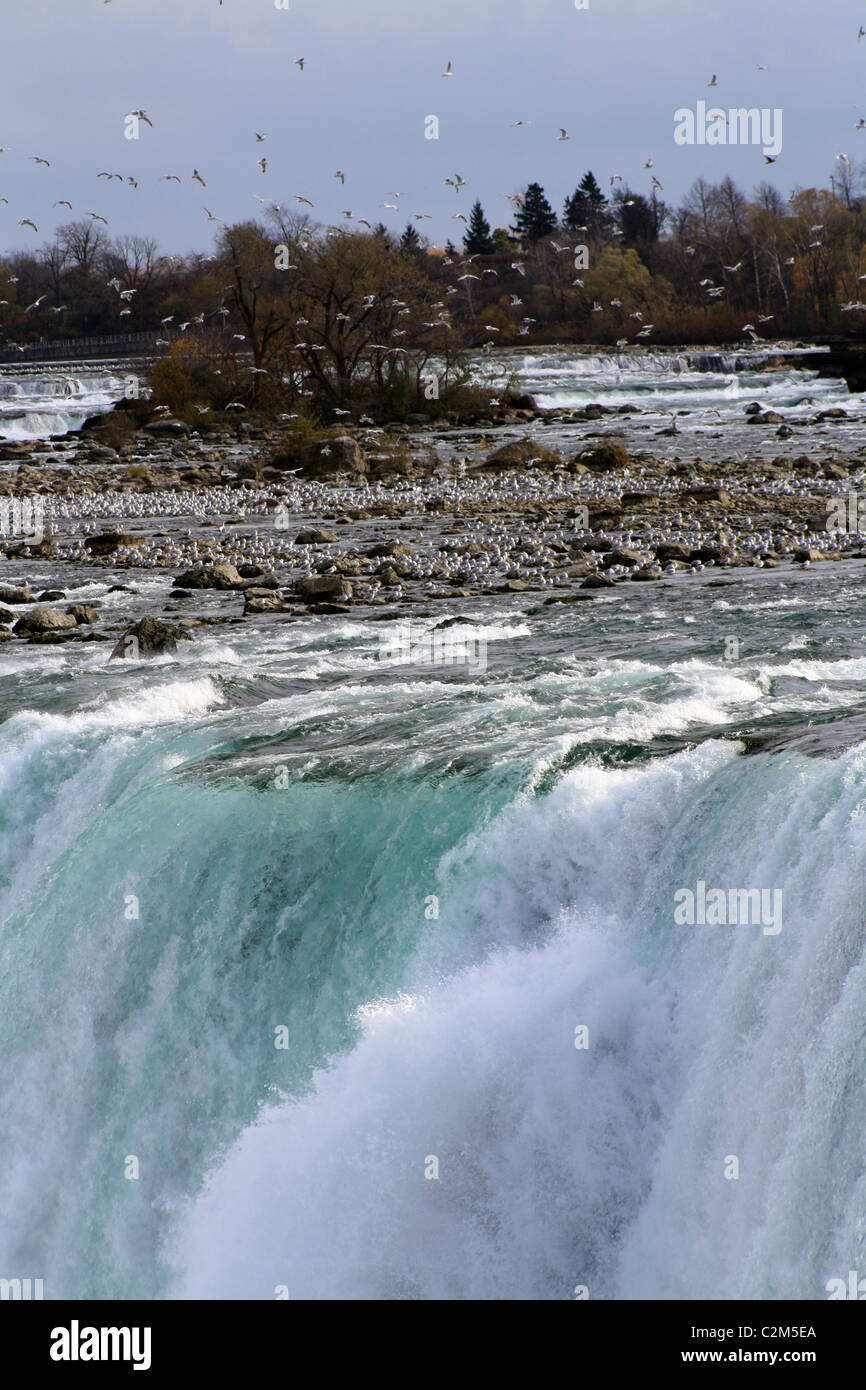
(477,239)
(410,242)
(587,207)
(535,217)
(450,248)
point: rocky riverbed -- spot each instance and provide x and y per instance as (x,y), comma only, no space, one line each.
(559,506)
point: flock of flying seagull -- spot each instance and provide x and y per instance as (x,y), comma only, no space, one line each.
(457,182)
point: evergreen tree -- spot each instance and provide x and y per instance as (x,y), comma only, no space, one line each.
(410,242)
(587,207)
(535,217)
(477,240)
(450,248)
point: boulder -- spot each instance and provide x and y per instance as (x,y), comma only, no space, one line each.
(598,581)
(673,550)
(519,452)
(621,555)
(708,494)
(323,587)
(314,536)
(83,613)
(604,456)
(43,619)
(9,594)
(388,548)
(328,456)
(149,637)
(262,601)
(209,577)
(110,541)
(166,426)
(646,573)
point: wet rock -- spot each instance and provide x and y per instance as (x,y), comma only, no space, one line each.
(672,550)
(83,613)
(328,456)
(10,594)
(166,427)
(43,619)
(323,587)
(262,601)
(110,541)
(314,536)
(621,555)
(598,581)
(223,576)
(148,637)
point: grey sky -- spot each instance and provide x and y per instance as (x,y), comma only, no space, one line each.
(211,75)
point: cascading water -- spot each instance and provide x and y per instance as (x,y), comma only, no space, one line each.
(424,885)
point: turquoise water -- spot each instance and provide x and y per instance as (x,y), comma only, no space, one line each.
(430,879)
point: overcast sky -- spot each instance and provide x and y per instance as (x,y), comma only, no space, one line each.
(211,75)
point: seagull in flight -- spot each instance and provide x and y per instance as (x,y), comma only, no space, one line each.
(167,178)
(96,217)
(263,164)
(300,199)
(260,138)
(299,63)
(142,116)
(563,133)
(447,72)
(25,222)
(36,160)
(36,303)
(713,82)
(770,159)
(197,176)
(340,175)
(64,203)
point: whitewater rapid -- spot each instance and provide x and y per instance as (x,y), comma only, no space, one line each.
(425,883)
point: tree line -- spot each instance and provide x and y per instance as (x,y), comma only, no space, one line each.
(292,307)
